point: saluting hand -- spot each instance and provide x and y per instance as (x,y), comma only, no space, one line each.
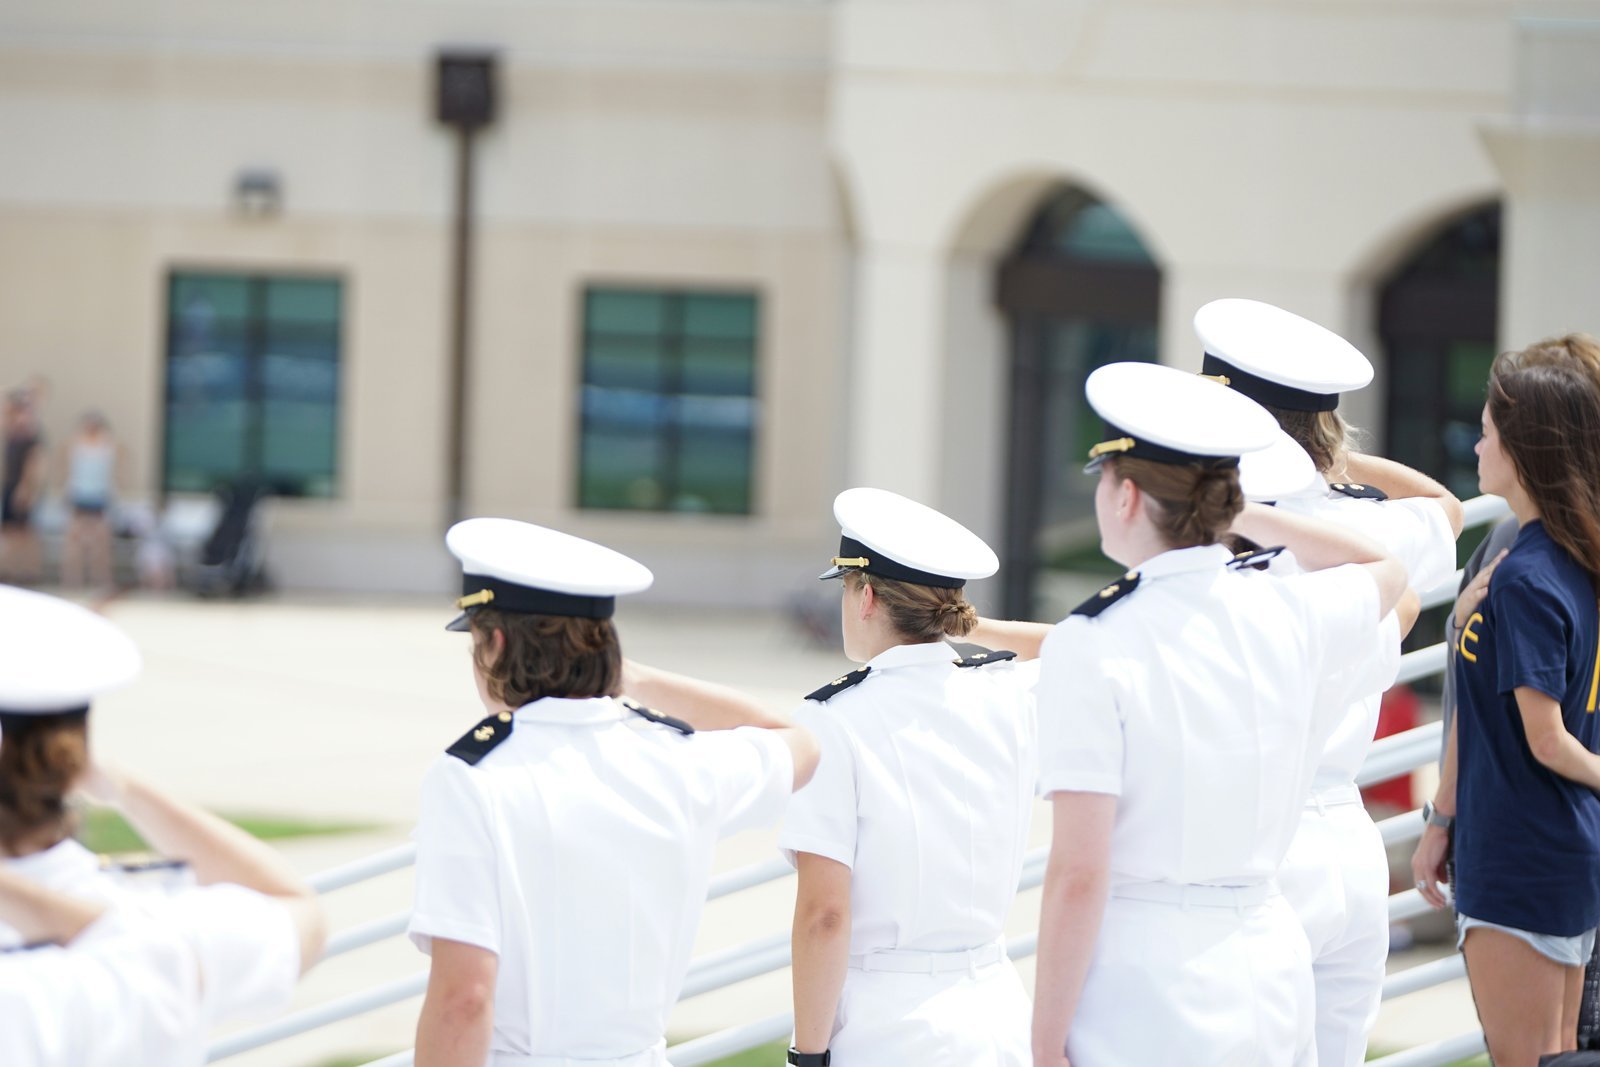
(1469,599)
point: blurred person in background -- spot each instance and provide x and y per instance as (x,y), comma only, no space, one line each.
(565,843)
(1182,711)
(22,482)
(1336,873)
(91,461)
(241,923)
(1521,769)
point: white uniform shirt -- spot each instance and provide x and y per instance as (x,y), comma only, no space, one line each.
(1417,533)
(578,851)
(1193,701)
(144,983)
(924,790)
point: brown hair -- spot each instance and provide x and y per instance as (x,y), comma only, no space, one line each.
(1194,505)
(1323,434)
(41,759)
(1545,403)
(546,656)
(919,612)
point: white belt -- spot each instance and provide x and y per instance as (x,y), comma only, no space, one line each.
(902,962)
(1334,796)
(1197,896)
(650,1057)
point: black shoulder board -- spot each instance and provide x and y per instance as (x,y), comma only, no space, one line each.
(839,685)
(1259,559)
(656,717)
(1108,596)
(481,740)
(980,659)
(1360,492)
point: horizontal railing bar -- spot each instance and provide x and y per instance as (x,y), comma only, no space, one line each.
(1443,593)
(1424,976)
(368,933)
(408,1058)
(1400,753)
(311,1018)
(747,877)
(1435,1054)
(1482,509)
(712,1047)
(1398,829)
(1421,663)
(1407,904)
(753,958)
(390,859)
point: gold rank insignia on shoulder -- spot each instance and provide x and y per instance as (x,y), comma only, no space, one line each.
(984,658)
(839,685)
(481,740)
(1257,559)
(1108,596)
(655,716)
(1360,492)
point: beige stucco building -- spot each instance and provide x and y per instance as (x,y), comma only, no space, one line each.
(731,256)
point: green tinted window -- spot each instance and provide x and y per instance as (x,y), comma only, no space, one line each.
(668,401)
(252,382)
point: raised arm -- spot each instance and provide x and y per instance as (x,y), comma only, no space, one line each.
(216,849)
(1023,638)
(1399,481)
(1320,545)
(41,915)
(703,705)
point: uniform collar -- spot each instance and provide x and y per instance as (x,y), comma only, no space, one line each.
(908,655)
(60,864)
(1184,560)
(571,711)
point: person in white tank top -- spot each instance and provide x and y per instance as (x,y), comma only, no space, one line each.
(91,462)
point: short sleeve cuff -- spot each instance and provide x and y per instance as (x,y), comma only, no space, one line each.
(790,844)
(424,928)
(1080,782)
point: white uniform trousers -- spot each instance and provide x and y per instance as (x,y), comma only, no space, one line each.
(958,1009)
(650,1057)
(1196,975)
(1336,877)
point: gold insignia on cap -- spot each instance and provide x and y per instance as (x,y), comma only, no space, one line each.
(850,561)
(1220,379)
(483,733)
(472,600)
(1120,444)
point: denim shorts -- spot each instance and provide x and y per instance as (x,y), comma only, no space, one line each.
(1567,951)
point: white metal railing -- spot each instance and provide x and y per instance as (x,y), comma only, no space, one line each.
(1388,758)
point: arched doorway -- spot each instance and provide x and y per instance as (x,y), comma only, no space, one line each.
(1079,290)
(1438,314)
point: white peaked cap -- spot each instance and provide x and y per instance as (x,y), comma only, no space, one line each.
(1169,416)
(56,656)
(519,567)
(1281,471)
(901,539)
(1278,358)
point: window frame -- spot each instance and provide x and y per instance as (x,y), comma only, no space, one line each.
(672,341)
(256,333)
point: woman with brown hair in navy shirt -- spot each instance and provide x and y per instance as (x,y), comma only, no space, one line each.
(1521,768)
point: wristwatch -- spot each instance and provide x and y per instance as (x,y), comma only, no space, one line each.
(1434,817)
(810,1059)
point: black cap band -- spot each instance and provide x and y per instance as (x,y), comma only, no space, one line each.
(884,567)
(1270,393)
(523,600)
(20,718)
(1143,449)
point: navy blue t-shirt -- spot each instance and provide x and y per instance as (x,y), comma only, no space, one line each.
(1527,840)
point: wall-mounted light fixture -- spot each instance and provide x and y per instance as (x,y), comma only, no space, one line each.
(258,193)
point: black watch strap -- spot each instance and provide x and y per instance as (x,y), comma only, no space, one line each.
(810,1059)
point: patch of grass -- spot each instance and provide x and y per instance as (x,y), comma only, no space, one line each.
(766,1056)
(105,831)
